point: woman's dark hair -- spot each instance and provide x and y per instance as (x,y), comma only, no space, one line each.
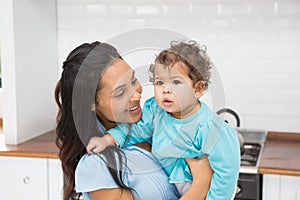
(75,93)
(189,53)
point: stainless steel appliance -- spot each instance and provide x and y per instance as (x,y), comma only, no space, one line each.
(250,181)
(251,144)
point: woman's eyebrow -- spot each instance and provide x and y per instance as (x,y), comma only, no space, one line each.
(123,85)
(133,73)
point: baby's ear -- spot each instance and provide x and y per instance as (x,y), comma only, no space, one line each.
(199,88)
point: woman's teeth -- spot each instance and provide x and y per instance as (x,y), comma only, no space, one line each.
(133,108)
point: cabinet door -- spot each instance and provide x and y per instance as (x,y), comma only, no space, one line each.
(290,187)
(55,179)
(23,178)
(271,187)
(278,187)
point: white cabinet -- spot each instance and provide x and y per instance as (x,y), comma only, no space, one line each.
(279,187)
(30,178)
(23,178)
(55,179)
(290,187)
(271,187)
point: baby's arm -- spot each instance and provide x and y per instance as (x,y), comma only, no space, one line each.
(202,174)
(140,131)
(224,159)
(98,144)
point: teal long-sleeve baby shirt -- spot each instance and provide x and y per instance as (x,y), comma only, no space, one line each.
(175,139)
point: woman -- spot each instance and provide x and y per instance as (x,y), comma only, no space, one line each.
(96,91)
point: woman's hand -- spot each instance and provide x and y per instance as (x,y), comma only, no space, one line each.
(98,144)
(202,174)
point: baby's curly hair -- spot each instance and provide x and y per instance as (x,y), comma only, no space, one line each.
(189,53)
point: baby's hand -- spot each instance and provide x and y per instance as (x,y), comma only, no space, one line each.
(98,144)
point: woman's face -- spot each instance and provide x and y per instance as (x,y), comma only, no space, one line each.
(119,96)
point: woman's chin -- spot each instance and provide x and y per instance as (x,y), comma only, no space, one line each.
(129,118)
(136,117)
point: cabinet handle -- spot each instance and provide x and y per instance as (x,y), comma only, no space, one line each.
(26,180)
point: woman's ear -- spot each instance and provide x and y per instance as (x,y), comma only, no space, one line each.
(199,88)
(93,108)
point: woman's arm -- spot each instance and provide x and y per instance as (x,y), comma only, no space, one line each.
(202,175)
(112,194)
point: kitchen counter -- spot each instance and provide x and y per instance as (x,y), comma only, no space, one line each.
(42,146)
(281,154)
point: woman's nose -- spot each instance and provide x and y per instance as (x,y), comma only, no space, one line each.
(136,95)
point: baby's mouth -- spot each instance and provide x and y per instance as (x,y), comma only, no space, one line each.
(167,102)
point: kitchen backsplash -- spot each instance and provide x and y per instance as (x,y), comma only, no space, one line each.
(255,46)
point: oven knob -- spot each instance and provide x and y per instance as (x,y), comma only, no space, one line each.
(238,189)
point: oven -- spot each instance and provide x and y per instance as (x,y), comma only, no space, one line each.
(249,187)
(250,181)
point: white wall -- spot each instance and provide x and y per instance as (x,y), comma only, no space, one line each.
(29,67)
(255,46)
(1,103)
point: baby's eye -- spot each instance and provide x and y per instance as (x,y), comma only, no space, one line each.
(176,82)
(159,83)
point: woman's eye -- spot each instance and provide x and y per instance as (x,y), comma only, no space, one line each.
(176,82)
(159,83)
(119,93)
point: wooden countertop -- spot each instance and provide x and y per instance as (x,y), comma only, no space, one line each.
(281,154)
(42,146)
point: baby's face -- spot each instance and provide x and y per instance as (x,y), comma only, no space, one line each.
(174,91)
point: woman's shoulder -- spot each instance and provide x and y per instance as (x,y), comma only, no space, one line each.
(142,169)
(92,172)
(89,174)
(88,161)
(133,154)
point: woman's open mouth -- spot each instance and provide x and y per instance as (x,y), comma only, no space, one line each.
(134,109)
